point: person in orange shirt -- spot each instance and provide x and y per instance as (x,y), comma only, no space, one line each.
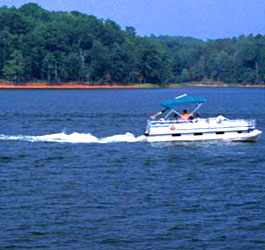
(185,115)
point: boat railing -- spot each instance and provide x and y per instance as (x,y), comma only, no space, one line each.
(249,123)
(167,121)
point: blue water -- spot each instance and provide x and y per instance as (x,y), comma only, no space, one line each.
(76,173)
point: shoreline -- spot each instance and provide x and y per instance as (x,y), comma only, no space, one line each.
(72,86)
(115,86)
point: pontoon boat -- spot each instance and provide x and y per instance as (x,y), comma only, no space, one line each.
(168,125)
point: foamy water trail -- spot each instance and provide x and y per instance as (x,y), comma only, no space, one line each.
(74,138)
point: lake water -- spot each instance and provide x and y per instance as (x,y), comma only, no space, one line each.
(75,173)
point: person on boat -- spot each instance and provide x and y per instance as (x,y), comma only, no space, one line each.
(185,115)
(175,117)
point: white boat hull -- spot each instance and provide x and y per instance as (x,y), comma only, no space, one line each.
(252,136)
(218,128)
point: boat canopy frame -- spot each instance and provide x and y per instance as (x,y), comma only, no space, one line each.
(171,104)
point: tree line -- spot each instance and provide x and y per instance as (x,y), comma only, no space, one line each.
(38,45)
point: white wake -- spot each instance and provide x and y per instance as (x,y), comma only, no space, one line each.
(74,138)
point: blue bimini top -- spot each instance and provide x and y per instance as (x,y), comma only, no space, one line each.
(172,103)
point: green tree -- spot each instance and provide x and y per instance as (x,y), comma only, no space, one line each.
(184,75)
(14,68)
(50,67)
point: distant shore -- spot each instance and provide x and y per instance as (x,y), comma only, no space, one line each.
(115,86)
(73,86)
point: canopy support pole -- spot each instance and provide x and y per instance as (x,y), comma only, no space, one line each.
(198,106)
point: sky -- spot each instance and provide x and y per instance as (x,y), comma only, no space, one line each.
(204,19)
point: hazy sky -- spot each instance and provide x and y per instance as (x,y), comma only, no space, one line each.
(197,18)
